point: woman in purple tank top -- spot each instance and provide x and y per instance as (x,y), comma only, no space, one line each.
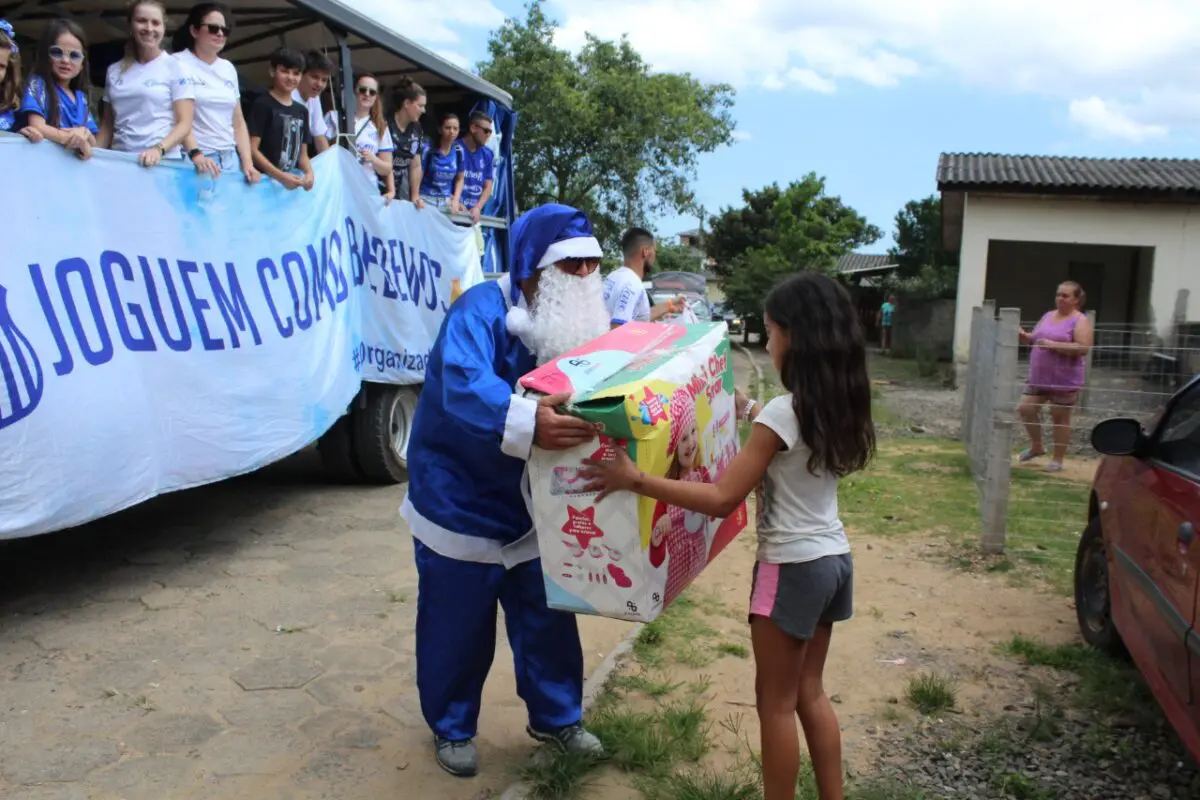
(1061,341)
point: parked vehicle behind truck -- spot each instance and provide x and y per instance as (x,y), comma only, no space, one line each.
(368,442)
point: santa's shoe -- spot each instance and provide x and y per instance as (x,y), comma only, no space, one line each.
(573,739)
(457,758)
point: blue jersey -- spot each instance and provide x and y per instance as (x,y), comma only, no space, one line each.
(477,172)
(8,120)
(73,112)
(440,170)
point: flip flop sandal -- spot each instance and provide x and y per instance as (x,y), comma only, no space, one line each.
(1054,466)
(1029,455)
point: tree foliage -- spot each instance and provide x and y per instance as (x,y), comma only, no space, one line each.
(598,130)
(778,232)
(926,268)
(677,258)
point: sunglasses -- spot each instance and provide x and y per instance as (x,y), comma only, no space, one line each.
(217,30)
(367,90)
(482,129)
(58,54)
(576,266)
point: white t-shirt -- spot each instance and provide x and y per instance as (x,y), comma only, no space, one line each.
(797,511)
(143,100)
(217,95)
(626,297)
(316,117)
(366,137)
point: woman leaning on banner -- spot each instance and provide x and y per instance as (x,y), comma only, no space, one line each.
(148,100)
(219,138)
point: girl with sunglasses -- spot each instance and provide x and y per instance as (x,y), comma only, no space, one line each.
(219,138)
(56,102)
(10,83)
(148,101)
(372,139)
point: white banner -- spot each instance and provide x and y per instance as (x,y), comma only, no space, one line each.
(161,330)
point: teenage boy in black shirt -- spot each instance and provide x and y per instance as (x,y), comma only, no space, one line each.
(279,126)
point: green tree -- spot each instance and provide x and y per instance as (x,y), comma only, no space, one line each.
(926,267)
(597,129)
(677,258)
(779,232)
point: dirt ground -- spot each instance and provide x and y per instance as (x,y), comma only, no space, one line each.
(247,640)
(913,613)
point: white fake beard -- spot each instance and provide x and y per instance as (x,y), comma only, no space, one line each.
(569,311)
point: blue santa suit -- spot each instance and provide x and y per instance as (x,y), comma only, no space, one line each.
(468,503)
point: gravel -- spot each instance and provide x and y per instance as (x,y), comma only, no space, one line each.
(1022,756)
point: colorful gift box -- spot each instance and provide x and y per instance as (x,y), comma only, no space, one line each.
(664,392)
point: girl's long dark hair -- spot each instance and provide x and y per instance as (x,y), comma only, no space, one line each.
(183,39)
(44,70)
(825,369)
(10,87)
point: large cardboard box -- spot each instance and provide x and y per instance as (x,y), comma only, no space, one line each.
(664,392)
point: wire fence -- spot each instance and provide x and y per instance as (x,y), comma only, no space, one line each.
(1030,455)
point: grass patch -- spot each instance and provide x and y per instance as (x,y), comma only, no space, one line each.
(1105,685)
(733,649)
(651,742)
(926,486)
(930,693)
(554,775)
(704,785)
(679,634)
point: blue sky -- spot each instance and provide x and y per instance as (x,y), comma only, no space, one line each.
(868,92)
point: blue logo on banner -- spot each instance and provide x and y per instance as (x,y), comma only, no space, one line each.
(20,370)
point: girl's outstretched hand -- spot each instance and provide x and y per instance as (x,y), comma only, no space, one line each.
(617,474)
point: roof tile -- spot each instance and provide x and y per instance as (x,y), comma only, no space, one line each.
(1060,173)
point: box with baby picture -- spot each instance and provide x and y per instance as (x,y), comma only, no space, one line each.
(664,392)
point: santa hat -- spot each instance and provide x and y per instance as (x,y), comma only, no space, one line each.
(540,237)
(683,415)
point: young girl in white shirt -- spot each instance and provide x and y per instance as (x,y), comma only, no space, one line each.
(800,445)
(148,97)
(219,138)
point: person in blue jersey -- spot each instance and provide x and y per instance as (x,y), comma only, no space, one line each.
(478,164)
(55,103)
(10,84)
(442,169)
(467,503)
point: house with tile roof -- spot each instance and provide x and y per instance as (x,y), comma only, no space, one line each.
(1127,229)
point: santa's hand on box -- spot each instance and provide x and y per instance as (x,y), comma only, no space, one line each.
(617,473)
(554,430)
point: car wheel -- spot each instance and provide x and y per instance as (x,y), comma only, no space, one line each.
(1093,601)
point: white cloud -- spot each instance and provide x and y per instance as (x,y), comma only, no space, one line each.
(742,136)
(1106,120)
(430,22)
(456,58)
(808,79)
(1128,59)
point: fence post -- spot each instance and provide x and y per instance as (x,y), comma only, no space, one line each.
(997,481)
(1085,394)
(970,389)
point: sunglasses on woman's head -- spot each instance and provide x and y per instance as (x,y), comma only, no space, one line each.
(367,90)
(216,30)
(58,54)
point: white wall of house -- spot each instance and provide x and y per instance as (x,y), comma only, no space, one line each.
(1171,231)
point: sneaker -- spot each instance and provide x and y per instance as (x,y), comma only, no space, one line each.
(457,758)
(573,739)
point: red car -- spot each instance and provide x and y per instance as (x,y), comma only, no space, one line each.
(1137,570)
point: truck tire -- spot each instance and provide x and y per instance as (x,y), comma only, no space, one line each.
(336,449)
(381,431)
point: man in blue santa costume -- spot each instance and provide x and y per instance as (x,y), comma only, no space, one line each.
(468,501)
